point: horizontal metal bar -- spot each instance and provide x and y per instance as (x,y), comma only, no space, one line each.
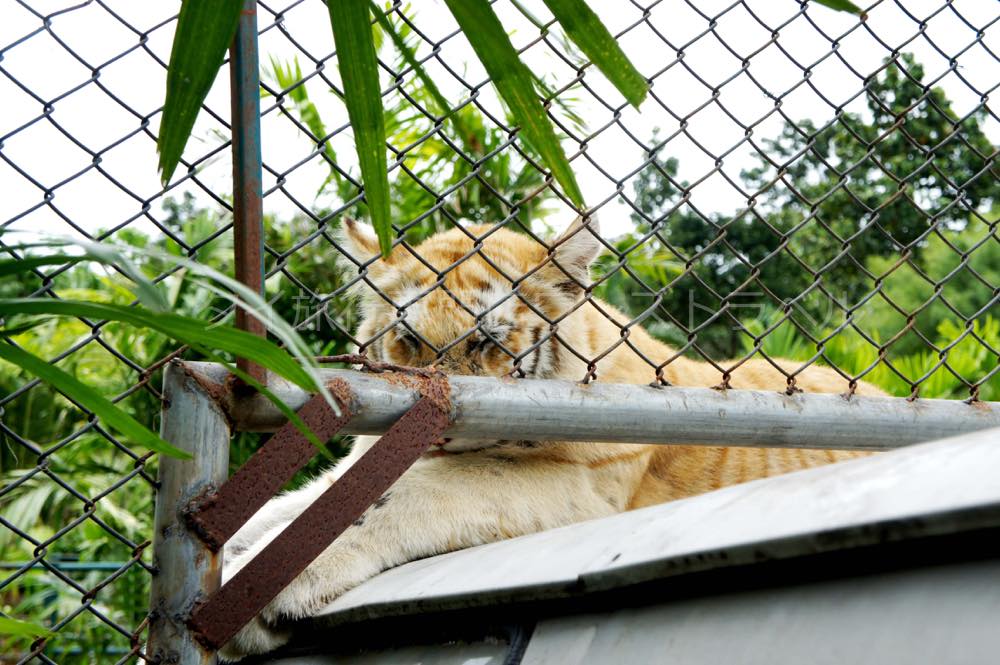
(491,408)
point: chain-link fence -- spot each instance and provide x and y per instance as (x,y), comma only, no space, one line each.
(800,185)
(76,504)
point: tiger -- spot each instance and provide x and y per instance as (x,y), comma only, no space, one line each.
(487,301)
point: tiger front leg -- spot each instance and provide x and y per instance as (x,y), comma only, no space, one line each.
(281,510)
(440,504)
(338,569)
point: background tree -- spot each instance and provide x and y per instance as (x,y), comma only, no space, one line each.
(896,182)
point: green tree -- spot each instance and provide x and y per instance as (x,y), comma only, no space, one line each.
(953,277)
(878,183)
(829,204)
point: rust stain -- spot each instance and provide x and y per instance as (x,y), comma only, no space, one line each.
(230,608)
(341,392)
(434,387)
(429,382)
(219,393)
(216,516)
(981,406)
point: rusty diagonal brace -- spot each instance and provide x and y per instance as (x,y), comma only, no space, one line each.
(217,517)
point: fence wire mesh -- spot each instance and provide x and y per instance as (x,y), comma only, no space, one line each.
(800,184)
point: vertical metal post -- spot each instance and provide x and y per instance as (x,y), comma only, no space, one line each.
(248,211)
(187,571)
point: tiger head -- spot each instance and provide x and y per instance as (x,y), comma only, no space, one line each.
(476,300)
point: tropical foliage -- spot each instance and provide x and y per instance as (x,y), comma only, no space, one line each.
(945,289)
(94,459)
(205,30)
(884,221)
(75,506)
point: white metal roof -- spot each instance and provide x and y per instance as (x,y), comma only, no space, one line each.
(943,487)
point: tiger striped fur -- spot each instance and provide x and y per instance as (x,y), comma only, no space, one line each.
(461,313)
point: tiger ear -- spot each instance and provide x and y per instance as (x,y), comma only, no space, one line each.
(358,241)
(359,246)
(577,247)
(360,252)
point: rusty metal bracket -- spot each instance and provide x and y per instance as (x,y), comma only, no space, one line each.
(230,608)
(216,516)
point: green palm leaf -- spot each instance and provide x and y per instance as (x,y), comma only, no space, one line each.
(515,84)
(26,264)
(183,329)
(205,28)
(89,399)
(586,30)
(352,35)
(841,5)
(22,629)
(234,292)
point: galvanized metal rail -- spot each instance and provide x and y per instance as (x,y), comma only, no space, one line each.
(490,408)
(186,570)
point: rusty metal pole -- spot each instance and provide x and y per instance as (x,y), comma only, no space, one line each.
(187,571)
(248,210)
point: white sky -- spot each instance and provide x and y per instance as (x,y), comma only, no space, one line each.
(91,200)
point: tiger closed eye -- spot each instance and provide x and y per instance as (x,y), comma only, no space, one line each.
(409,339)
(485,341)
(479,345)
